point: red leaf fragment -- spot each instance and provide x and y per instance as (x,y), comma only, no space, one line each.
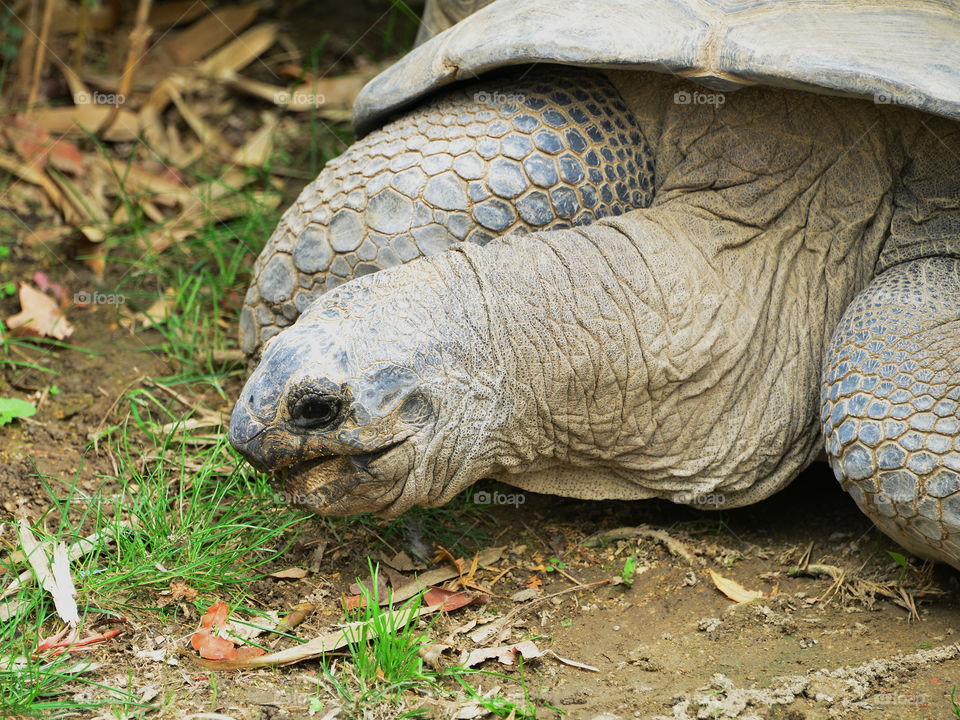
(212,647)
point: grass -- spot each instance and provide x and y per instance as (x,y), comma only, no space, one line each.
(171,512)
(384,660)
(202,279)
(384,675)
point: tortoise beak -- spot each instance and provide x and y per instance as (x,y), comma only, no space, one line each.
(246,436)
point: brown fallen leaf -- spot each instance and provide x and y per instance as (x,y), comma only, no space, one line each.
(178,591)
(207,34)
(208,642)
(402,562)
(329,97)
(258,148)
(448,600)
(301,612)
(571,663)
(39,315)
(38,148)
(179,12)
(734,590)
(71,212)
(207,133)
(435,577)
(79,120)
(353,602)
(431,653)
(506,655)
(64,642)
(294,573)
(323,644)
(164,189)
(157,313)
(240,52)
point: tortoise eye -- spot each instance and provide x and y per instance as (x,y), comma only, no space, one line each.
(313,411)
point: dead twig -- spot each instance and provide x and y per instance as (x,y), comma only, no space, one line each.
(40,55)
(138,40)
(673,545)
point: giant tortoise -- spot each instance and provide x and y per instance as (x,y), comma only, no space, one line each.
(674,249)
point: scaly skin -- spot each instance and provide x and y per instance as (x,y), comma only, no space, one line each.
(891,395)
(674,351)
(502,156)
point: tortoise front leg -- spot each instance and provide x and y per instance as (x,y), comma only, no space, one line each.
(544,149)
(890,401)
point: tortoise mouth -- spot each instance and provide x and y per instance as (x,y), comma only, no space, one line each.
(361,462)
(343,484)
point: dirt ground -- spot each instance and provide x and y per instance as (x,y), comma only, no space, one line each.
(669,646)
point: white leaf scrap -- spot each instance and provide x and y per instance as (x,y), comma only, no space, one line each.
(54,578)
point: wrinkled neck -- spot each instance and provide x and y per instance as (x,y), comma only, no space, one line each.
(559,371)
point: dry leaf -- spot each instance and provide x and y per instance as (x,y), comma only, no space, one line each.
(200,213)
(257,149)
(64,592)
(37,147)
(448,600)
(506,655)
(53,577)
(79,120)
(208,135)
(431,653)
(210,645)
(301,612)
(78,89)
(39,315)
(734,590)
(157,313)
(175,13)
(293,573)
(178,591)
(323,644)
(402,562)
(435,577)
(207,34)
(255,627)
(241,52)
(571,663)
(329,96)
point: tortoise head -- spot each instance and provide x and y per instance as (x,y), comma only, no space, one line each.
(348,407)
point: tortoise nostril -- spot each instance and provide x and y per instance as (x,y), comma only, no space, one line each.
(243,429)
(314,411)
